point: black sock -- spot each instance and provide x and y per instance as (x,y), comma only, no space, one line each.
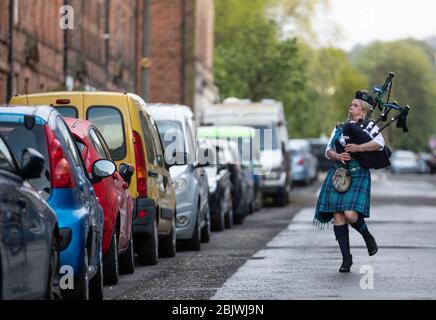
(341,233)
(360,226)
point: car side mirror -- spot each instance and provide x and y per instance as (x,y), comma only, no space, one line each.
(102,169)
(126,172)
(32,164)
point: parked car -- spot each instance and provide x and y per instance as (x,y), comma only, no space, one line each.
(247,184)
(178,134)
(241,182)
(113,195)
(318,147)
(269,120)
(424,162)
(404,161)
(304,163)
(67,188)
(432,164)
(220,185)
(29,242)
(125,123)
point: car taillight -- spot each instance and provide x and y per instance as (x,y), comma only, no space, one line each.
(141,167)
(60,168)
(301,161)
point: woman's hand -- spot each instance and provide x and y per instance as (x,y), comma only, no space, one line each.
(343,157)
(353,148)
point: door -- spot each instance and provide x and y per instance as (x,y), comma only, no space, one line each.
(168,194)
(12,246)
(114,188)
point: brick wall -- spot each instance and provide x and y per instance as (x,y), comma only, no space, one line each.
(166,51)
(107,54)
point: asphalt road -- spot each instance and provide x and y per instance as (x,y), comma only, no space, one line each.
(278,254)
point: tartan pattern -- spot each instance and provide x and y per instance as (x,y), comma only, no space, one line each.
(357,198)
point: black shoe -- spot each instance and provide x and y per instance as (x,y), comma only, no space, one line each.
(371,245)
(346,264)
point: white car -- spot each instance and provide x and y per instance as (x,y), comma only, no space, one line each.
(404,161)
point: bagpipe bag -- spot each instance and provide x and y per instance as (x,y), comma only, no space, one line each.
(356,135)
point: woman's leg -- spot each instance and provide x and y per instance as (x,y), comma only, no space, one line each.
(341,233)
(342,236)
(358,222)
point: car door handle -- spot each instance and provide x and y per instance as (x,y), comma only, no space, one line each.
(153,174)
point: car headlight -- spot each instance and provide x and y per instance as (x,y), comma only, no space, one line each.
(180,185)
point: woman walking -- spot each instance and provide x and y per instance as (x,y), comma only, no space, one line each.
(343,201)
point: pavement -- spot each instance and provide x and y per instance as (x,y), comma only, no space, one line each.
(302,262)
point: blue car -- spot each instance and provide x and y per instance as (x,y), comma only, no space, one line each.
(29,260)
(67,188)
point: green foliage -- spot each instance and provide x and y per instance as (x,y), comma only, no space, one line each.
(415,84)
(253,60)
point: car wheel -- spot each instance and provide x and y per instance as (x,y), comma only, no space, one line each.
(229,219)
(282,198)
(195,242)
(96,283)
(219,223)
(81,284)
(111,270)
(205,232)
(53,289)
(127,259)
(167,246)
(147,248)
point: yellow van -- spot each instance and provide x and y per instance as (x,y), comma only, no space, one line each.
(130,132)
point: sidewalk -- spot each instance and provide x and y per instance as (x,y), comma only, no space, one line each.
(302,262)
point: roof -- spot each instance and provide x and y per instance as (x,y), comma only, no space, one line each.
(42,112)
(239,113)
(170,112)
(77,126)
(227,132)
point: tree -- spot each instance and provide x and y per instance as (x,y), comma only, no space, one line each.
(251,61)
(415,84)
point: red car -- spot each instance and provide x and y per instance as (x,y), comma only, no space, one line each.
(113,195)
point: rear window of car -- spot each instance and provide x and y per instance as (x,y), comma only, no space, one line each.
(6,161)
(68,111)
(18,138)
(171,135)
(109,122)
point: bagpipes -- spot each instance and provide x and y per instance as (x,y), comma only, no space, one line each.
(363,132)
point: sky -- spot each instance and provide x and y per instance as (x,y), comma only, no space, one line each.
(364,21)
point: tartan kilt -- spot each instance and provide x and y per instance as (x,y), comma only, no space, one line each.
(357,198)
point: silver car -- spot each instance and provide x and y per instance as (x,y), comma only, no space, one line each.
(404,161)
(304,163)
(178,134)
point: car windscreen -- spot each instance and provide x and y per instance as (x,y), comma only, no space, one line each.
(18,138)
(267,138)
(109,122)
(171,134)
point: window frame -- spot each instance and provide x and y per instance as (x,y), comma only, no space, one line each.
(124,154)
